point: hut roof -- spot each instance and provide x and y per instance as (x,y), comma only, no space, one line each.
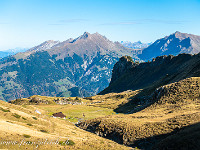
(59,114)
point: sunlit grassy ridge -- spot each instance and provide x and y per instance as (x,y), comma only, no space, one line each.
(75,113)
(147,117)
(29,133)
(167,110)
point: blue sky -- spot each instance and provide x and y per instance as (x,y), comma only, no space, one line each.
(26,23)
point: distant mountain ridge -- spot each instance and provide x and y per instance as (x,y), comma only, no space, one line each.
(173,44)
(6,53)
(45,45)
(135,45)
(56,68)
(80,66)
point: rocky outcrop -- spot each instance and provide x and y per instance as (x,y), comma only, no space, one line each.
(160,71)
(124,64)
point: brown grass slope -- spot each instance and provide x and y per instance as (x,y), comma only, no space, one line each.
(174,111)
(22,128)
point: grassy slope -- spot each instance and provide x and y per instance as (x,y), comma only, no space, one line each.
(15,129)
(156,125)
(177,106)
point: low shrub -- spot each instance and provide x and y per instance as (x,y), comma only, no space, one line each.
(34,118)
(16,115)
(4,110)
(45,131)
(70,142)
(24,118)
(26,136)
(29,124)
(62,143)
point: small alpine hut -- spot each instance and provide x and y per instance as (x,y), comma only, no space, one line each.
(59,115)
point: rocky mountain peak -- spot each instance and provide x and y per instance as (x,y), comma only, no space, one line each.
(124,64)
(85,35)
(82,37)
(177,32)
(173,44)
(181,36)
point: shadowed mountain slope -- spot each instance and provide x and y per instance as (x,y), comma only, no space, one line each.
(173,44)
(160,71)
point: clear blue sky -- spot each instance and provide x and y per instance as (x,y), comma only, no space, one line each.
(25,23)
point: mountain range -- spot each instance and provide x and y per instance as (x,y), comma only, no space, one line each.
(6,53)
(54,68)
(135,45)
(81,66)
(152,104)
(173,44)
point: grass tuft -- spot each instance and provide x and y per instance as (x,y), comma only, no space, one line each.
(26,135)
(34,118)
(45,131)
(16,115)
(24,118)
(4,110)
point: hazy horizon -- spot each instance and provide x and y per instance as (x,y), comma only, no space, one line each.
(29,23)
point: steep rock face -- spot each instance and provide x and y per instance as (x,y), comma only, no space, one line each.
(124,64)
(60,68)
(173,44)
(161,70)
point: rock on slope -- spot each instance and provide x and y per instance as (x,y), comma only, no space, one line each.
(124,65)
(173,44)
(55,68)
